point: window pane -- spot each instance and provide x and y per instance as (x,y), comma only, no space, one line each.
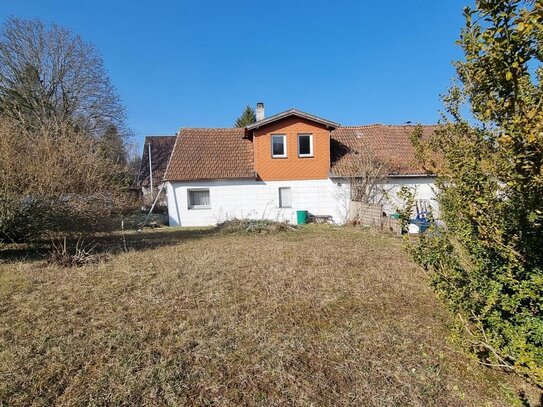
(304,144)
(199,198)
(284,198)
(278,145)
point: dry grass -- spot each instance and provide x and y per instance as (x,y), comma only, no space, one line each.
(254,226)
(319,316)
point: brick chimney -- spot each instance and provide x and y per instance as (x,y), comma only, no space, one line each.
(259,111)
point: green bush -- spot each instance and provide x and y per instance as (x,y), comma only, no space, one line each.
(487,264)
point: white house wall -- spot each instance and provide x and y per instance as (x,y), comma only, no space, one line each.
(422,187)
(256,200)
(260,200)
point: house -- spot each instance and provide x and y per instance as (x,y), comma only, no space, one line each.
(154,161)
(287,162)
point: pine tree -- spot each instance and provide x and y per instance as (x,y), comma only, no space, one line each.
(247,117)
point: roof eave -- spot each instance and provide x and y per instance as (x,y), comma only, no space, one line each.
(252,177)
(413,175)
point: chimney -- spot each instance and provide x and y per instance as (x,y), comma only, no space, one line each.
(259,111)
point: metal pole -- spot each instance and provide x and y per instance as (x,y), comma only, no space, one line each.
(151,174)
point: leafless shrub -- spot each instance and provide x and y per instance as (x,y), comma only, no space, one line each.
(368,176)
(55,182)
(81,254)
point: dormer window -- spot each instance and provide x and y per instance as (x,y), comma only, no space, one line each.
(305,145)
(279,146)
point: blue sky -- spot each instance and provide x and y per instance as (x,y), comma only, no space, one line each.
(195,63)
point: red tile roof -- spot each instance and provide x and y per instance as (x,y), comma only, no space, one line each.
(161,150)
(226,153)
(211,154)
(390,144)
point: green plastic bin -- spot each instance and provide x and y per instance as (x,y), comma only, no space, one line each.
(302,217)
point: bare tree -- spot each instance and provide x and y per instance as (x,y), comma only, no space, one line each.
(48,74)
(62,133)
(368,175)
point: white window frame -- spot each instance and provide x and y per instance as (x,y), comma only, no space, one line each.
(189,203)
(284,136)
(280,202)
(311,152)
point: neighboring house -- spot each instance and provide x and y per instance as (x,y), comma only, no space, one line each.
(290,161)
(157,151)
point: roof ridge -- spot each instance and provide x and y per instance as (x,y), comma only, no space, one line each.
(149,139)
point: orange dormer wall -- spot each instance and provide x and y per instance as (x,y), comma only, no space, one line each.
(292,167)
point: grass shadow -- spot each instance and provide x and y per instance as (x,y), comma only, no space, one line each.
(114,242)
(148,239)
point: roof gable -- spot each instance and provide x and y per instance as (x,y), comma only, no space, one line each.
(289,113)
